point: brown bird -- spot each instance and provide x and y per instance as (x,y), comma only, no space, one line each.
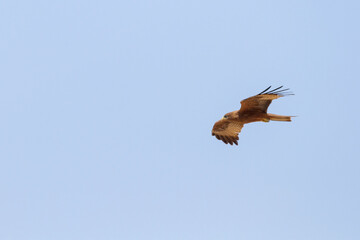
(253,109)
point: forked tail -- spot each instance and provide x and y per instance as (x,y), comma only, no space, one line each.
(274,117)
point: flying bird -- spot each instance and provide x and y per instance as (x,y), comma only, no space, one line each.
(253,109)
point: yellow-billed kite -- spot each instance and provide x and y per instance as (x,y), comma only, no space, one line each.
(253,109)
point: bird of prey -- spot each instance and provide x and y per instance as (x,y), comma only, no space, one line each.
(253,109)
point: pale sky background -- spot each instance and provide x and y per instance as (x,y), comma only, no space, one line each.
(107,109)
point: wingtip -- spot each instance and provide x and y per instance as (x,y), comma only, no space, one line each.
(277,91)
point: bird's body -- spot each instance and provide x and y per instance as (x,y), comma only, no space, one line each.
(253,109)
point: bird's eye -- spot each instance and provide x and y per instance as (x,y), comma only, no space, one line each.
(225,116)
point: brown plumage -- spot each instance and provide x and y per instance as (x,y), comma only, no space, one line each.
(253,109)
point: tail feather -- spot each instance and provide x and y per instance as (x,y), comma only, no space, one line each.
(274,117)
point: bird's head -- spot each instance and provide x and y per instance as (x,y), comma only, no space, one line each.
(230,115)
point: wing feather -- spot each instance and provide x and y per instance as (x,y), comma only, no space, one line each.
(261,101)
(227,131)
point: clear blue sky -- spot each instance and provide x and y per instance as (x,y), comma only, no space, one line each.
(107,109)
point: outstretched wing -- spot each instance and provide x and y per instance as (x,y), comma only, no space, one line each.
(261,102)
(227,131)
